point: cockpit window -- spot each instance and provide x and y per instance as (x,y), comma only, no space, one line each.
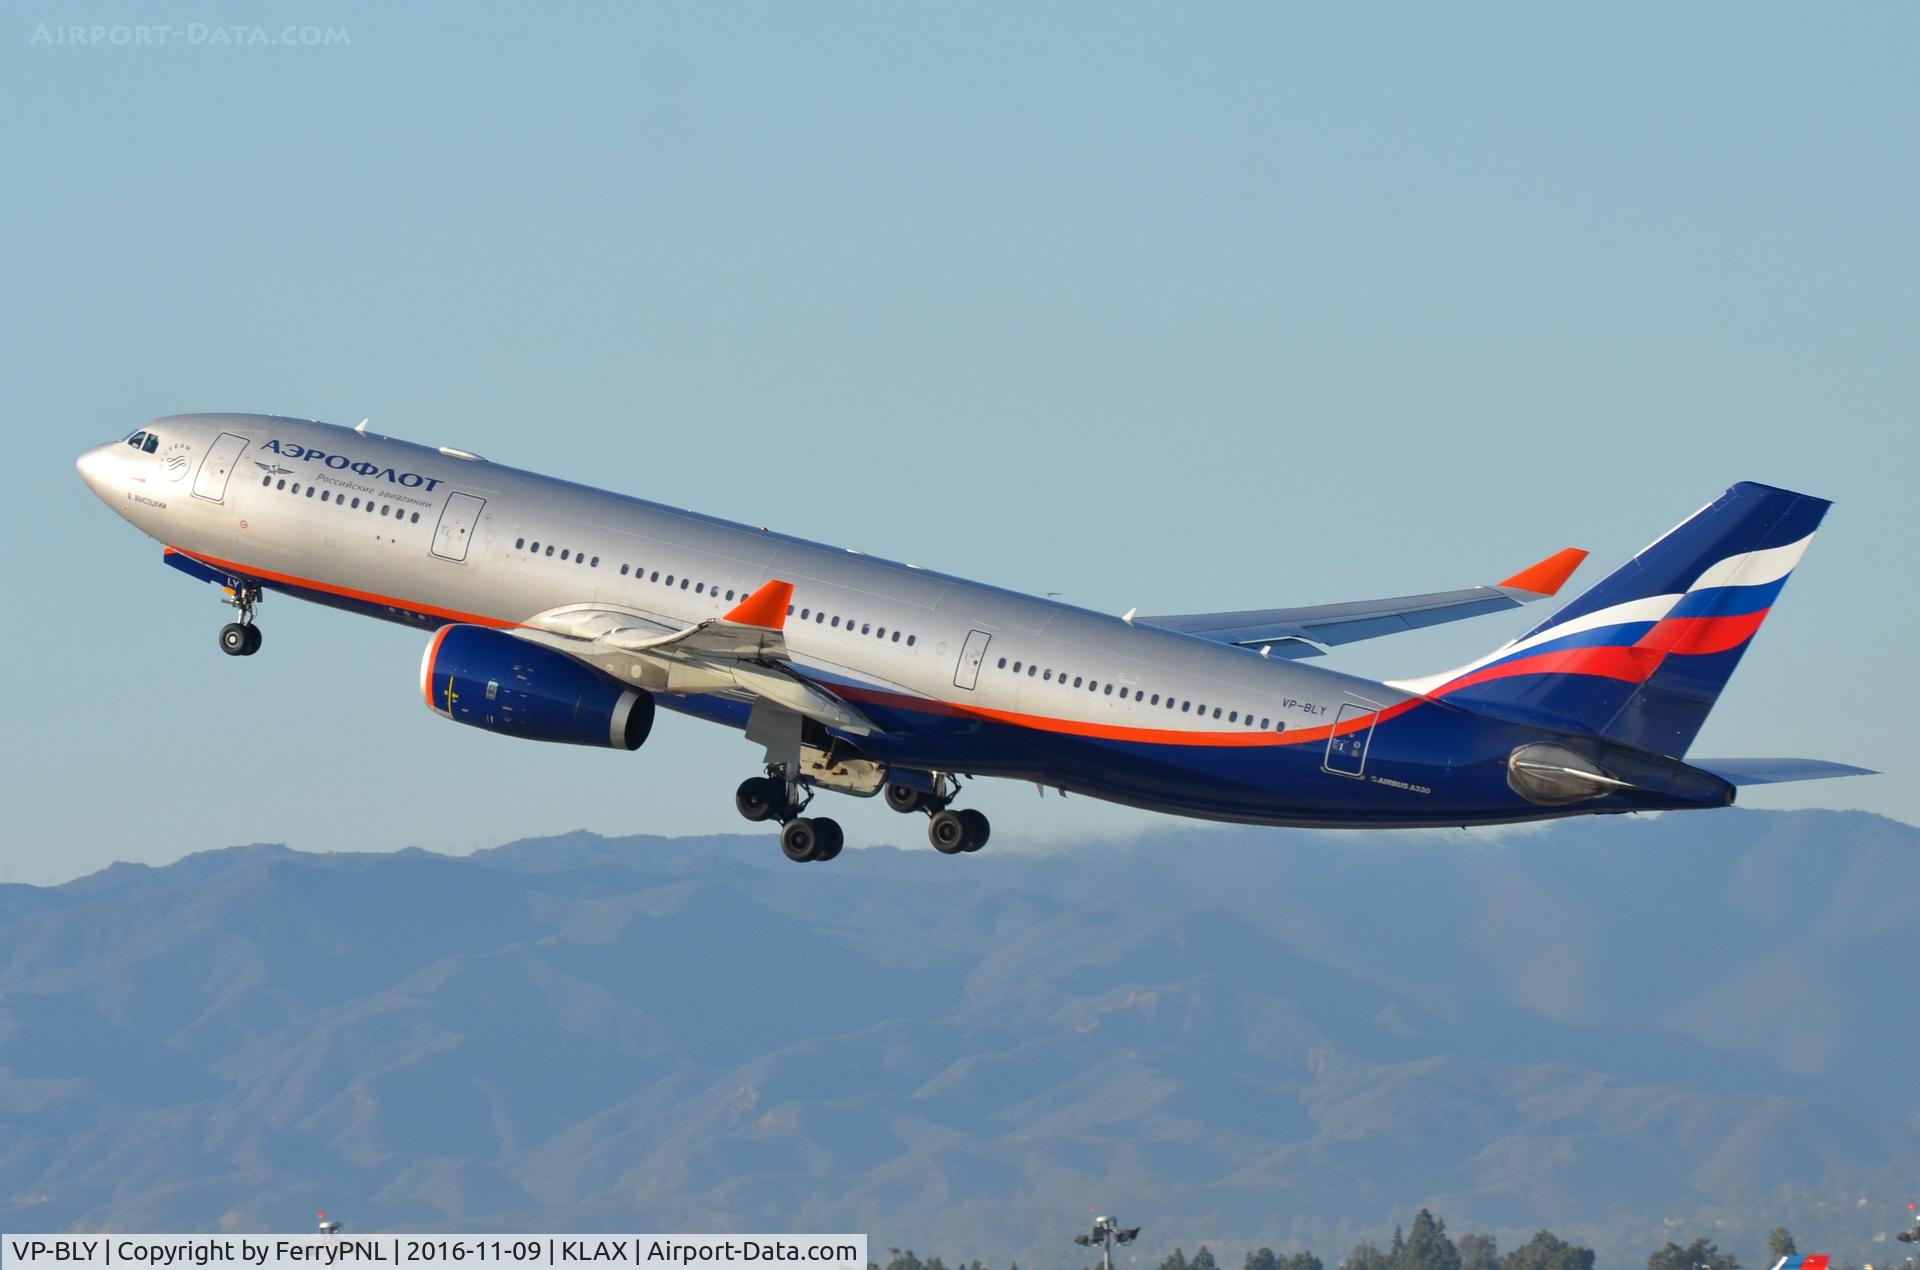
(137,439)
(153,442)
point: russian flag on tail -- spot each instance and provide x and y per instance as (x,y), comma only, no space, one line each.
(1641,657)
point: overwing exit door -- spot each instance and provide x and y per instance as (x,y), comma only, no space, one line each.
(457,522)
(967,673)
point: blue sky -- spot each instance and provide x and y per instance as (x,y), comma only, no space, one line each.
(1174,307)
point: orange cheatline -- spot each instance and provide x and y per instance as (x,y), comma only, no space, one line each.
(766,607)
(1547,577)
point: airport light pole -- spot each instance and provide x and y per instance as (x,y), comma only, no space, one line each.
(1104,1235)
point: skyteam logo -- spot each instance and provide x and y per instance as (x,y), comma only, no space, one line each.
(174,461)
(342,463)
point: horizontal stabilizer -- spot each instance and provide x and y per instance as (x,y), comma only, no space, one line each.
(1307,632)
(1775,771)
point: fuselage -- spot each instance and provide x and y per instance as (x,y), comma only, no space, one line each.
(957,676)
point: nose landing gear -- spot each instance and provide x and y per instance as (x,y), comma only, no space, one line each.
(950,832)
(237,640)
(241,638)
(803,839)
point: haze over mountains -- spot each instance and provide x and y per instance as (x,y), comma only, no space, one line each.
(1627,1030)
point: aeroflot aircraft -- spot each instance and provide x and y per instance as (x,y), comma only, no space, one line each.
(555,612)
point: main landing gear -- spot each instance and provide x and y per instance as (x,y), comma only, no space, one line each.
(803,839)
(241,638)
(806,838)
(950,832)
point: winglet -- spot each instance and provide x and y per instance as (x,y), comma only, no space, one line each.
(766,607)
(1548,576)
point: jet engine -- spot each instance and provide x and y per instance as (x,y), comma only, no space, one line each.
(491,680)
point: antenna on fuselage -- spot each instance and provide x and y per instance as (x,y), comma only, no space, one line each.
(361,427)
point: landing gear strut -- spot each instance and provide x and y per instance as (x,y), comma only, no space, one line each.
(950,832)
(241,638)
(802,838)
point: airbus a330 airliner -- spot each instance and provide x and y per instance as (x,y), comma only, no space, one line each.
(562,613)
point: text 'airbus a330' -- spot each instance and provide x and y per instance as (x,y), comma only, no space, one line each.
(562,613)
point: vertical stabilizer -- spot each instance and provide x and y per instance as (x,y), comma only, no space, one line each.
(1641,657)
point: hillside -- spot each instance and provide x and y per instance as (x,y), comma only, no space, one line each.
(1626,1030)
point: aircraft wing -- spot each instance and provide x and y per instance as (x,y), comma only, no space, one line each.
(743,654)
(1308,632)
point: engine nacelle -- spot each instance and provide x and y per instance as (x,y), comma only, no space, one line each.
(488,679)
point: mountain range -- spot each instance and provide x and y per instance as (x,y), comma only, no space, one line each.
(1625,1030)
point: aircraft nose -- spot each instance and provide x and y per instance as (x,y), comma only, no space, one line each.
(96,468)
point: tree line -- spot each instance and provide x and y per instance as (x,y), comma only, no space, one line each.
(1426,1246)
